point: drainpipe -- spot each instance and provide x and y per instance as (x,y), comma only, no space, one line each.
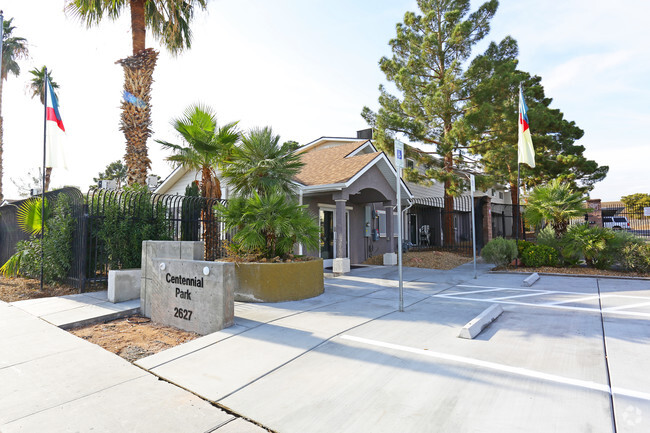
(300,203)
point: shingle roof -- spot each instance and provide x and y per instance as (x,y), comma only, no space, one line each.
(330,165)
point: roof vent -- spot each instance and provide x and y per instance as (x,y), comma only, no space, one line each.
(365,134)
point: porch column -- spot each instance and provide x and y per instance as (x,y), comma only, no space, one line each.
(390,257)
(390,232)
(341,264)
(340,229)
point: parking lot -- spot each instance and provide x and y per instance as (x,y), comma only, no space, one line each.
(568,354)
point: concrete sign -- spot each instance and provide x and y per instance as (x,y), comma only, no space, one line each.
(192,295)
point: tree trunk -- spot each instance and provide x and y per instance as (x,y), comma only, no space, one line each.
(210,188)
(138,31)
(136,113)
(449,234)
(48,174)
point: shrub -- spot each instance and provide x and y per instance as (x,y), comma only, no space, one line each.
(522,246)
(500,251)
(57,245)
(615,246)
(635,257)
(590,242)
(540,255)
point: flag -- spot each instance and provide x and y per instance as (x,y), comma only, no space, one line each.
(526,151)
(55,131)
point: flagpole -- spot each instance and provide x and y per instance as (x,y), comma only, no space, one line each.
(43,174)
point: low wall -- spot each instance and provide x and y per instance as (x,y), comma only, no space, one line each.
(124,285)
(277,282)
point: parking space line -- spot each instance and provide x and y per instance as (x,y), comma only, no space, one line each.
(556,307)
(524,372)
(568,301)
(475,291)
(624,307)
(523,296)
(519,289)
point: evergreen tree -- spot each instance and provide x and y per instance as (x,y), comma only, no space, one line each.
(491,126)
(428,68)
(114,171)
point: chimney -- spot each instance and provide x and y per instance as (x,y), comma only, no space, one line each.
(365,134)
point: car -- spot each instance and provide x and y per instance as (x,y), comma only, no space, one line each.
(616,223)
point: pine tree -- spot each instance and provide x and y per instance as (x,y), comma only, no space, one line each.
(428,68)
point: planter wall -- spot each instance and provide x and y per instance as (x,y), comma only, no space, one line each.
(277,282)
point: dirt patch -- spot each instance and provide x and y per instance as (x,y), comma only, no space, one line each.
(580,270)
(134,337)
(19,289)
(426,259)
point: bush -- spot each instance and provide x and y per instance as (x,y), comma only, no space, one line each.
(588,242)
(522,246)
(540,255)
(500,251)
(57,245)
(129,222)
(635,257)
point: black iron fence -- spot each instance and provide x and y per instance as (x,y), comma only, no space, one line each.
(119,221)
(109,227)
(632,218)
(431,227)
(11,233)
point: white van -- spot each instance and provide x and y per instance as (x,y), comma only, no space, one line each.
(616,223)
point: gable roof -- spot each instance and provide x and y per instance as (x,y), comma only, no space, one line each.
(334,164)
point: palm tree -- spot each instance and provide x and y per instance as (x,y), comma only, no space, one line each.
(13,48)
(37,84)
(208,147)
(169,21)
(261,165)
(555,203)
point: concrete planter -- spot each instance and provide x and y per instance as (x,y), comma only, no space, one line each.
(278,282)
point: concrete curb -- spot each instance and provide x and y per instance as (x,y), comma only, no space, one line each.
(480,322)
(100,319)
(530,280)
(612,277)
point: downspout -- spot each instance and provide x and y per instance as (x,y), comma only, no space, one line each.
(300,203)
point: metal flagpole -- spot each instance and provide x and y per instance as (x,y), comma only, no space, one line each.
(43,174)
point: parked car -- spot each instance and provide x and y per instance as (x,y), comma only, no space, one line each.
(616,223)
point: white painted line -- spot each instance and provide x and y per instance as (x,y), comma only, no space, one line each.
(623,307)
(503,368)
(523,296)
(568,301)
(556,307)
(475,291)
(519,289)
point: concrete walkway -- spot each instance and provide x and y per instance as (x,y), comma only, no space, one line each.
(52,381)
(349,361)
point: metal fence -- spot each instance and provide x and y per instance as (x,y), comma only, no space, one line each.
(11,234)
(118,222)
(626,217)
(431,227)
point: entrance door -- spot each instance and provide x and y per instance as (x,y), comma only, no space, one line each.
(327,221)
(413,229)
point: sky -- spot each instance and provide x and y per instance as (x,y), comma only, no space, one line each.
(307,68)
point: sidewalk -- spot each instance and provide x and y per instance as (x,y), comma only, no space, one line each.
(53,381)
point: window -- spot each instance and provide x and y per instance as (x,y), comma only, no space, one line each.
(410,163)
(493,193)
(501,195)
(395,228)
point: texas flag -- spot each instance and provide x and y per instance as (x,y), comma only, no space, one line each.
(526,151)
(54,130)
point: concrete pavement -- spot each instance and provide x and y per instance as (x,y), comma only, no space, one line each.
(349,361)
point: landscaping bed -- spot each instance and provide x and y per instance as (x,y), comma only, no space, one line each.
(443,260)
(134,337)
(580,270)
(20,289)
